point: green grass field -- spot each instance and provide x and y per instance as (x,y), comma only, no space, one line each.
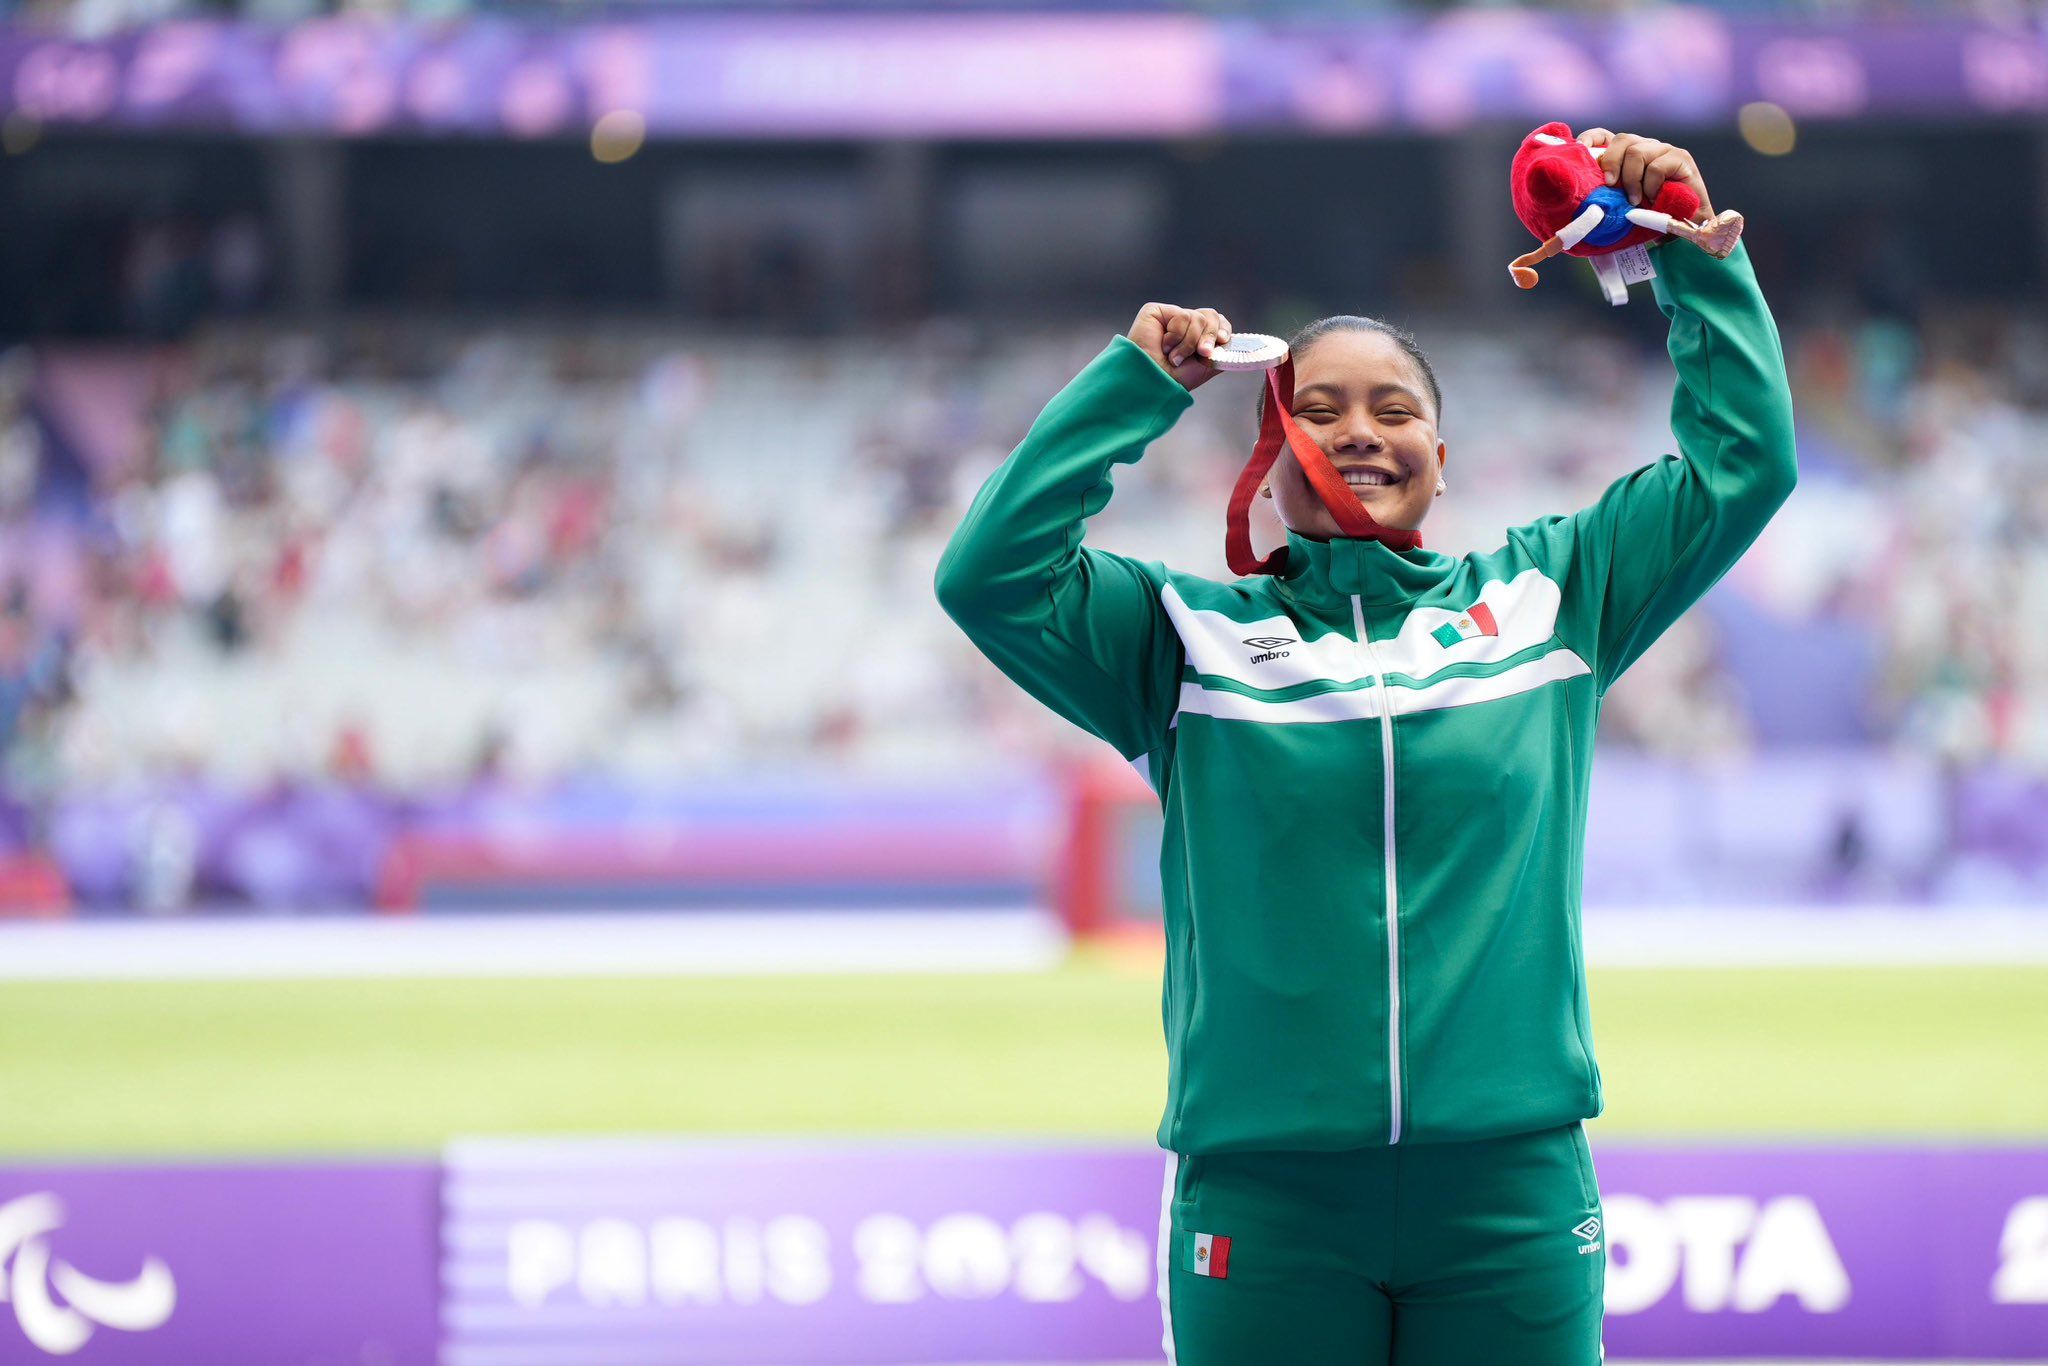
(250,1068)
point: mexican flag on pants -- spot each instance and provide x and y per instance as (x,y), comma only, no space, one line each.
(1209,1255)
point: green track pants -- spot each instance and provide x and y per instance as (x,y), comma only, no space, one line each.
(1487,1253)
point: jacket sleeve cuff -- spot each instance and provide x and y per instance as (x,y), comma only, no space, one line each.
(1136,377)
(1684,271)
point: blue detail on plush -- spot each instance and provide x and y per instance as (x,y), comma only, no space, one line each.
(1615,226)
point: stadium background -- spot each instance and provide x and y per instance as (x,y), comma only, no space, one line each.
(475,717)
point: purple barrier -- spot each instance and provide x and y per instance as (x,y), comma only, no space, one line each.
(1816,827)
(1015,75)
(585,1251)
(227,1265)
(779,1254)
(322,846)
(788,1254)
(1878,1253)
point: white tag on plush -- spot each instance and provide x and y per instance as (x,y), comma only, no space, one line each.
(1636,265)
(1607,270)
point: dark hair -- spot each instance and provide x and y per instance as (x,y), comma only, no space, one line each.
(1352,322)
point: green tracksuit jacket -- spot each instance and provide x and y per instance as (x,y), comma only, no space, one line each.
(1374,795)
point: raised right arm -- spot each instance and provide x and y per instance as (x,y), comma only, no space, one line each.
(1082,630)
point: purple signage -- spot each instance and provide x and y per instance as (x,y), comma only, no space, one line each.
(584,1252)
(1672,63)
(700,75)
(785,1253)
(230,1265)
(1015,75)
(1878,1253)
(772,1254)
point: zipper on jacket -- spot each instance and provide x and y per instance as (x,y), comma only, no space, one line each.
(1393,894)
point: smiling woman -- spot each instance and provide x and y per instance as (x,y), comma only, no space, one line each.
(1374,764)
(1364,392)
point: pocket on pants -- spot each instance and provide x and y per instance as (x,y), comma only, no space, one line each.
(1589,1184)
(1190,1182)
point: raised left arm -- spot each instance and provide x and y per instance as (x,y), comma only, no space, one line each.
(1659,538)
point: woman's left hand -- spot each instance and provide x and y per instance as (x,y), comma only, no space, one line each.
(1640,166)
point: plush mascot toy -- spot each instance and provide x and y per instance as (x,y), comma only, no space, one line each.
(1562,195)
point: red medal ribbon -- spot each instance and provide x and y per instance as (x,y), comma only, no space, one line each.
(1277,427)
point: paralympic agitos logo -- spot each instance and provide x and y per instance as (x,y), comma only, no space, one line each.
(29,1274)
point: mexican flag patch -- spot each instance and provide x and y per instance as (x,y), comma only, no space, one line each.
(1209,1255)
(1477,622)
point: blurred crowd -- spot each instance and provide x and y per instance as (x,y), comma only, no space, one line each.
(407,558)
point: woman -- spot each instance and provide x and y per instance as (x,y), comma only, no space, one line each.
(1374,764)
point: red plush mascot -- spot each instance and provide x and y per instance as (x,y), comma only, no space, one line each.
(1562,196)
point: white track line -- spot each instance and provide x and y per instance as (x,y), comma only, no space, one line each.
(657,943)
(535,944)
(1819,936)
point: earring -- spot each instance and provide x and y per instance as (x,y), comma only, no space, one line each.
(1266,491)
(1439,483)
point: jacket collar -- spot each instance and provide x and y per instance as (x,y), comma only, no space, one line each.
(1370,569)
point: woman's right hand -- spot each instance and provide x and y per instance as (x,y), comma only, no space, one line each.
(1180,339)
